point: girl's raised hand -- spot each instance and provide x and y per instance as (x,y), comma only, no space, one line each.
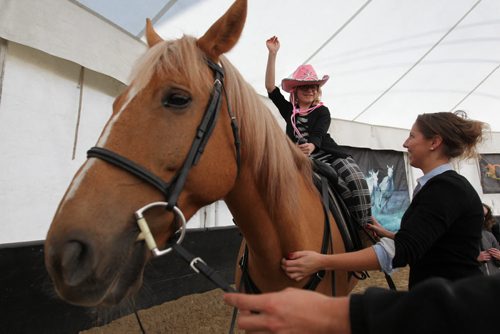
(273,44)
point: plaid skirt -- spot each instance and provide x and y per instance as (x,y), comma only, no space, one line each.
(352,186)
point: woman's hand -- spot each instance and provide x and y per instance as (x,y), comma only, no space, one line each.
(379,229)
(301,264)
(494,253)
(484,256)
(273,44)
(307,148)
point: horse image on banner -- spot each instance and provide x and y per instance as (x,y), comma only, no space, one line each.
(385,190)
(390,197)
(372,180)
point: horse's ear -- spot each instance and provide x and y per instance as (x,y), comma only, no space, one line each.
(225,32)
(151,36)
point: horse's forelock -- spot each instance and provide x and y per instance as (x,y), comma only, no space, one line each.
(172,60)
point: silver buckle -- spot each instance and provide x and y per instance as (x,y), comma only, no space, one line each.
(194,261)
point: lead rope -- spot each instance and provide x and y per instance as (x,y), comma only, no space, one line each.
(235,312)
(200,267)
(139,321)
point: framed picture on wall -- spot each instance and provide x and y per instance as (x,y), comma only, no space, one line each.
(385,173)
(489,166)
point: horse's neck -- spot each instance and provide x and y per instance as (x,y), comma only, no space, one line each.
(270,240)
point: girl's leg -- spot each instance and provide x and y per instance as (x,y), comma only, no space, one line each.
(355,192)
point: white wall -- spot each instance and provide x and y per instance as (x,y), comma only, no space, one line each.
(38,119)
(37,122)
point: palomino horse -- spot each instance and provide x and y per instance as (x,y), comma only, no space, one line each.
(92,250)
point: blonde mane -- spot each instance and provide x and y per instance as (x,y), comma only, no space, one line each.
(273,159)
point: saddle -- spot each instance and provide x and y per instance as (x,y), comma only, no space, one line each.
(349,229)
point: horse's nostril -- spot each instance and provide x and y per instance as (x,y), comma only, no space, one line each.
(76,263)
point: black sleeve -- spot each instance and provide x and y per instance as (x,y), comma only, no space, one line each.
(434,306)
(285,107)
(319,129)
(430,218)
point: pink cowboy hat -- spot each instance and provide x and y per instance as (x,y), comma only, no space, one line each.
(303,75)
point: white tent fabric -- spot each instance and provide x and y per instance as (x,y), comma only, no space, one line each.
(63,29)
(389,60)
(61,66)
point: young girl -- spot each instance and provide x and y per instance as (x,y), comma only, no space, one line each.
(307,123)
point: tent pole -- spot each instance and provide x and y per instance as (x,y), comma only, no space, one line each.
(158,15)
(3,56)
(79,113)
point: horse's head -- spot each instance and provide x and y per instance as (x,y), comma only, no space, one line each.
(92,251)
(390,170)
(373,174)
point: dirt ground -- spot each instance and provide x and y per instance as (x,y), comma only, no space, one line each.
(206,313)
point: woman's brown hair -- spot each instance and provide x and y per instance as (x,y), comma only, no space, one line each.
(460,135)
(489,221)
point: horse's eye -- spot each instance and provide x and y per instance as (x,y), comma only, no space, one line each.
(176,100)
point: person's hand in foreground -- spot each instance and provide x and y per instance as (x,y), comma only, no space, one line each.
(291,311)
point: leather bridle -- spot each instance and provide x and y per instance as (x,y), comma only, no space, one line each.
(171,190)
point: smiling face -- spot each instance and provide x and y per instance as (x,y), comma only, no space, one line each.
(307,94)
(418,147)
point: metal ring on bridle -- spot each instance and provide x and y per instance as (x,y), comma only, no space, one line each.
(146,234)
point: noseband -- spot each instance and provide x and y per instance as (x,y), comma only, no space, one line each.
(171,190)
